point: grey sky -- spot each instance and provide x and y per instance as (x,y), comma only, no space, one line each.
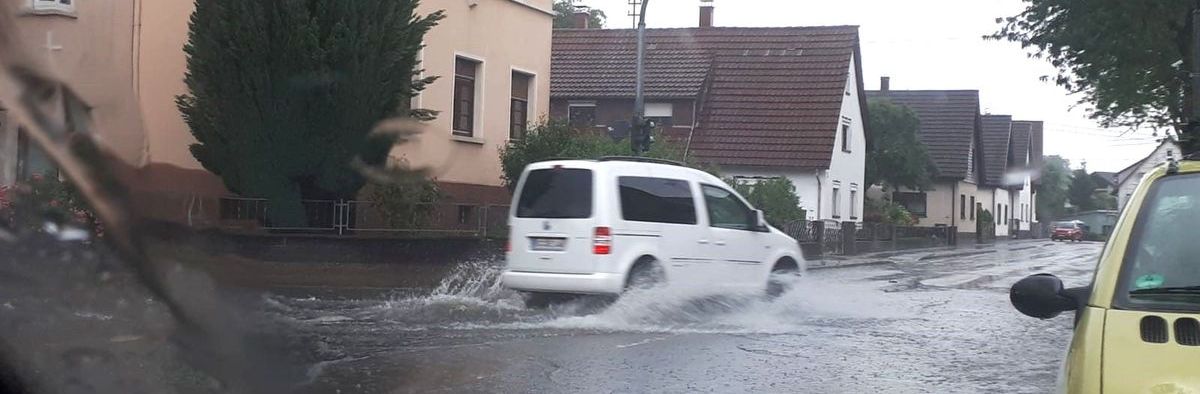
(930,44)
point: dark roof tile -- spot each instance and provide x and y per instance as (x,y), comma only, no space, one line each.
(772,96)
(949,119)
(995,134)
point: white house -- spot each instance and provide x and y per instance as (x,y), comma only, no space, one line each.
(1129,178)
(756,102)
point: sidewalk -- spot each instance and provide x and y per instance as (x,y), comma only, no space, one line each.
(924,254)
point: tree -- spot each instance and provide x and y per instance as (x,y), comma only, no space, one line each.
(1128,59)
(565,15)
(1082,191)
(555,139)
(283,95)
(897,158)
(776,197)
(1052,188)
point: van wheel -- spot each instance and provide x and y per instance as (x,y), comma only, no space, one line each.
(783,275)
(645,274)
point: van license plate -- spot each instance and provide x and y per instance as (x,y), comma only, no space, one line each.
(548,244)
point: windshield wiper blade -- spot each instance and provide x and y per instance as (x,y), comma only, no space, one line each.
(1191,290)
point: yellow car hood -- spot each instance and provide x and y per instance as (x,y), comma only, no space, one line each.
(1143,354)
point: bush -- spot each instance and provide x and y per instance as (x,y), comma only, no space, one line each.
(888,212)
(986,221)
(405,206)
(776,197)
(555,139)
(29,205)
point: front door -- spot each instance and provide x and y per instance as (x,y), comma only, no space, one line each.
(731,226)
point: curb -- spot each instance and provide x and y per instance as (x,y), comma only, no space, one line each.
(857,264)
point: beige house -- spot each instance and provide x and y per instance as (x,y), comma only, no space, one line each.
(492,57)
(89,44)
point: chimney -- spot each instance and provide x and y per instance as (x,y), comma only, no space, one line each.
(706,13)
(581,18)
(885,83)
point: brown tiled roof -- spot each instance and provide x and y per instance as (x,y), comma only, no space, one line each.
(995,138)
(771,96)
(1019,147)
(949,122)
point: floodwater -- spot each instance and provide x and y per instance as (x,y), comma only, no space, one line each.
(931,325)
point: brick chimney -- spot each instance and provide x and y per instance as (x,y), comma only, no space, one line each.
(582,18)
(885,83)
(706,13)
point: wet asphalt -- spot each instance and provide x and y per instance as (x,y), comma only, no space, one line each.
(919,324)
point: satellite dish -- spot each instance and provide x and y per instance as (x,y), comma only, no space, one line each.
(618,130)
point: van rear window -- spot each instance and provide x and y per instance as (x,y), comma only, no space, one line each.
(558,193)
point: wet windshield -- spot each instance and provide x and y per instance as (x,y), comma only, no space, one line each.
(360,196)
(1163,255)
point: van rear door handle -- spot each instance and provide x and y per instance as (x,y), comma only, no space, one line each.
(720,243)
(702,242)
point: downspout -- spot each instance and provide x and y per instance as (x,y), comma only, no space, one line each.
(953,199)
(687,148)
(820,192)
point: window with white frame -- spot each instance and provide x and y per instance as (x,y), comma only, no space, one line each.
(53,5)
(837,202)
(581,114)
(660,113)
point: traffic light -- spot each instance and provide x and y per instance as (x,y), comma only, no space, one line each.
(641,135)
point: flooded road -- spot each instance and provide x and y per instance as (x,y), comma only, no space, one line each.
(923,324)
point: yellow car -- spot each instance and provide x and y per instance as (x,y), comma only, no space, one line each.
(1137,326)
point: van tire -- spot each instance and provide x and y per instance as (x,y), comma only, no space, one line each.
(779,282)
(647,273)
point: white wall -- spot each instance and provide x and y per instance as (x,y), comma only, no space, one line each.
(847,168)
(1156,158)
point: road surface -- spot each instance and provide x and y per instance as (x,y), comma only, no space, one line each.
(915,325)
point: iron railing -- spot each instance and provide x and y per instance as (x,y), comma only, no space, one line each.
(346,217)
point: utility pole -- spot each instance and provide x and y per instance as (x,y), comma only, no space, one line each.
(639,135)
(1190,142)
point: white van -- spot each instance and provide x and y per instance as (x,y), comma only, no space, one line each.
(601,227)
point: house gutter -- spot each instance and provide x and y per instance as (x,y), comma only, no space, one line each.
(953,212)
(820,192)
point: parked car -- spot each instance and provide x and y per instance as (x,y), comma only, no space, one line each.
(1068,231)
(1137,326)
(606,226)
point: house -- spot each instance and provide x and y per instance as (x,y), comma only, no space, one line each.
(997,138)
(88,44)
(951,132)
(1023,167)
(492,57)
(756,102)
(1127,180)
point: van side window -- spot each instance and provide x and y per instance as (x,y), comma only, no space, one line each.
(657,200)
(725,210)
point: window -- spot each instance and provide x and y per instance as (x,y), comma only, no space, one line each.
(560,193)
(845,138)
(660,113)
(54,5)
(914,203)
(656,200)
(1007,215)
(465,213)
(973,208)
(837,200)
(999,217)
(726,210)
(581,115)
(519,110)
(1162,249)
(853,204)
(962,206)
(465,75)
(31,159)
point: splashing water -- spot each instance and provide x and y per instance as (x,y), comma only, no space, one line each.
(472,298)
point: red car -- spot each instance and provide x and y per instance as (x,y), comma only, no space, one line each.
(1072,231)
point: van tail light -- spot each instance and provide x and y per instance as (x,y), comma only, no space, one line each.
(602,241)
(508,241)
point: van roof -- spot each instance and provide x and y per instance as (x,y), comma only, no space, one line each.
(623,163)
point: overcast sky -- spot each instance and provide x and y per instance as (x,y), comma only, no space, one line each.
(930,44)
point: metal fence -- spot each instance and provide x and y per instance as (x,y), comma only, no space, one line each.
(366,218)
